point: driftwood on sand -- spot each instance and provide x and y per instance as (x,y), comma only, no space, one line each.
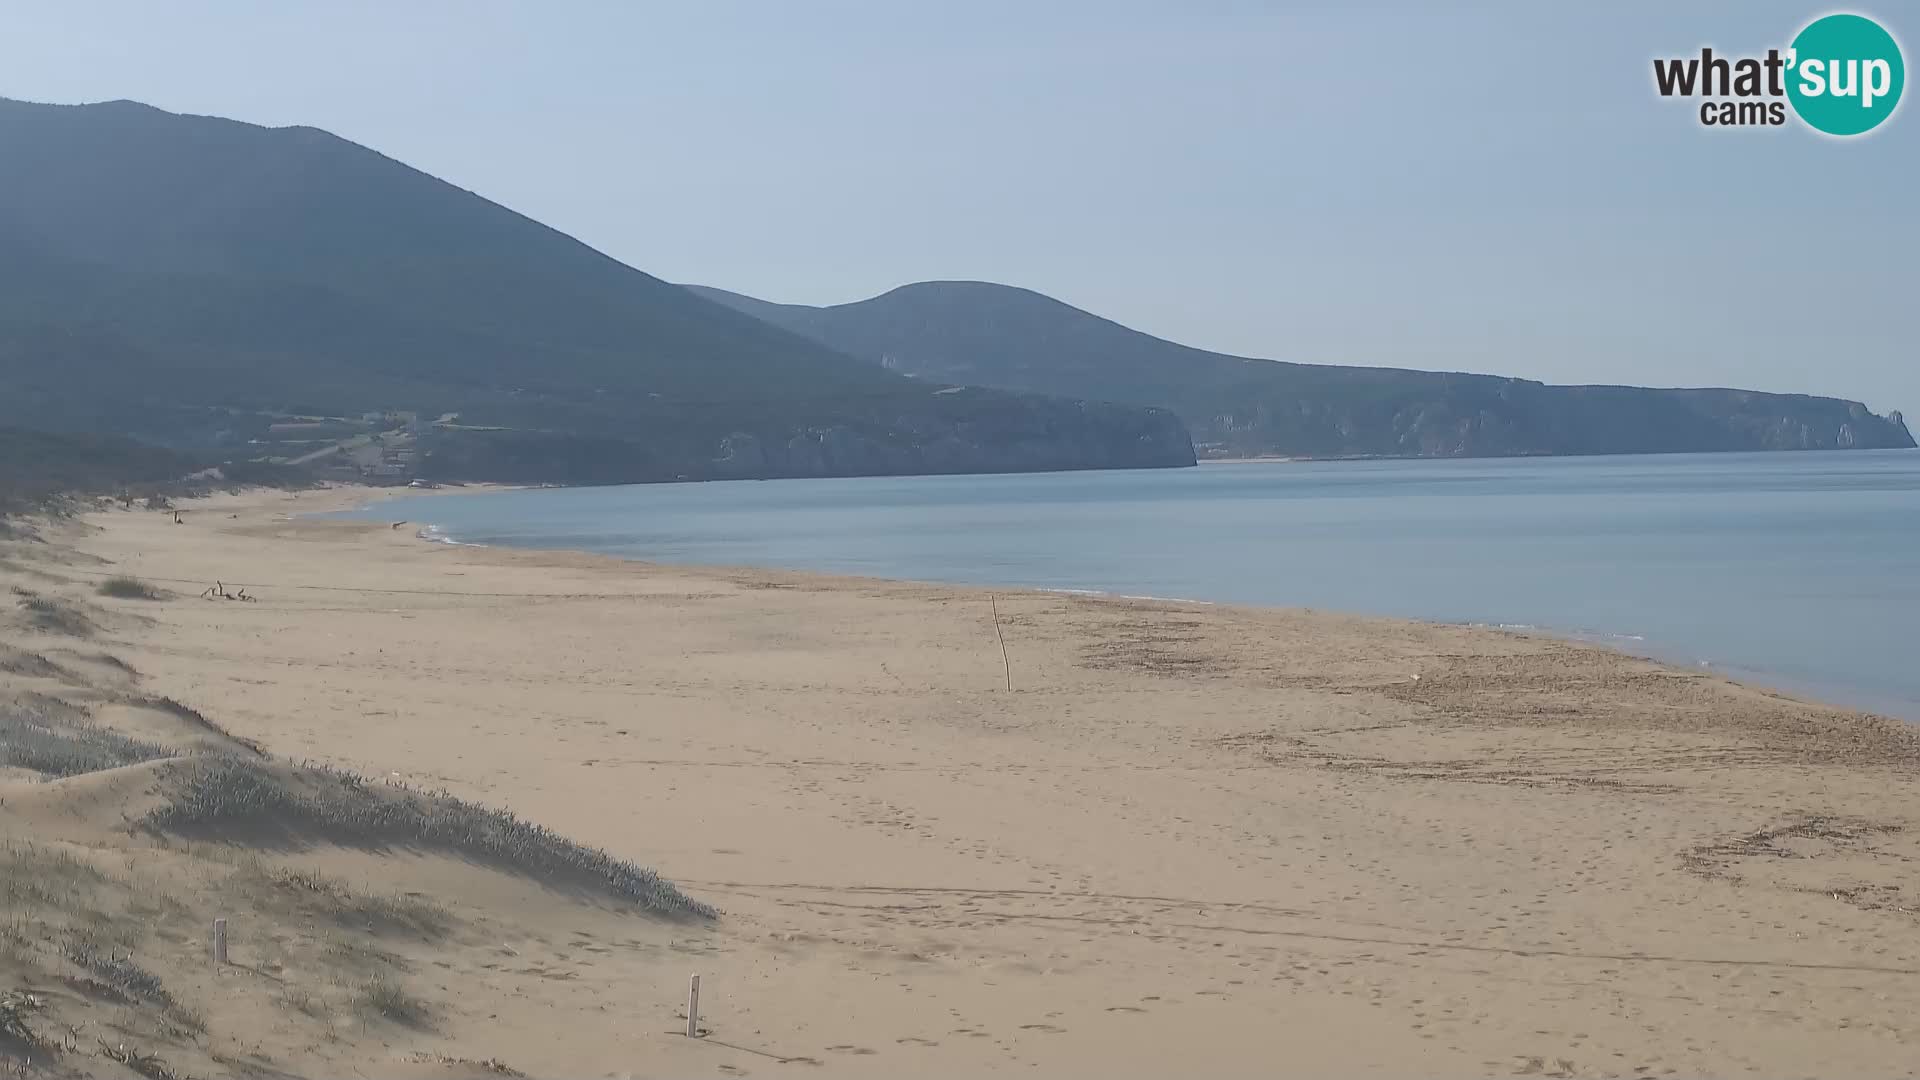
(218,591)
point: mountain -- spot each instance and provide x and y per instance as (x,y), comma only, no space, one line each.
(1015,339)
(195,281)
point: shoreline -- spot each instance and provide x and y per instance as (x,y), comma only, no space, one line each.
(1812,691)
(1188,838)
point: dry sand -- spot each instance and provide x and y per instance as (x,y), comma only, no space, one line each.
(1190,840)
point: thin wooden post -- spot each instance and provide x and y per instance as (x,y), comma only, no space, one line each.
(693,1008)
(1005,663)
(220,942)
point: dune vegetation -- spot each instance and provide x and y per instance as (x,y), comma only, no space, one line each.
(129,821)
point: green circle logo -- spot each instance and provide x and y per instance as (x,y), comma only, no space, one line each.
(1845,74)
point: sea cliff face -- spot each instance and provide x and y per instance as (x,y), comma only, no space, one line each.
(1483,416)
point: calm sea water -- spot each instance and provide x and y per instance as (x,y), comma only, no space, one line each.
(1801,570)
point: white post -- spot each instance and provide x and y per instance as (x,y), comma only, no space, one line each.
(220,941)
(693,1008)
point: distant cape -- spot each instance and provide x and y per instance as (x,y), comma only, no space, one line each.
(1016,339)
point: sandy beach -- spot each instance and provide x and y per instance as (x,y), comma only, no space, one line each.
(1189,840)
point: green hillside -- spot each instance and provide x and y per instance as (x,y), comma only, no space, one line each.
(189,280)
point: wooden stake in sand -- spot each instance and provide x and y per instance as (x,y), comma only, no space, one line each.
(693,1008)
(220,942)
(1004,662)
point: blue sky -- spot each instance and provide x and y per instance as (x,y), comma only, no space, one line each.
(1488,187)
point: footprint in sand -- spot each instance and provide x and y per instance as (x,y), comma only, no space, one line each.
(857,1051)
(915,1040)
(1048,1028)
(1125,1008)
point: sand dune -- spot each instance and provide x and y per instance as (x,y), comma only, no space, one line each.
(1190,840)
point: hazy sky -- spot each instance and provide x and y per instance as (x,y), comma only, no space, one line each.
(1495,188)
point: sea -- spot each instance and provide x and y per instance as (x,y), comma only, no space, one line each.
(1799,571)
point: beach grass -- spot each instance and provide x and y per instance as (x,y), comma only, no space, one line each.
(384,997)
(30,740)
(229,791)
(54,615)
(125,587)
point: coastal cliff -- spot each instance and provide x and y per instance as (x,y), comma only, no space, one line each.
(1484,416)
(995,335)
